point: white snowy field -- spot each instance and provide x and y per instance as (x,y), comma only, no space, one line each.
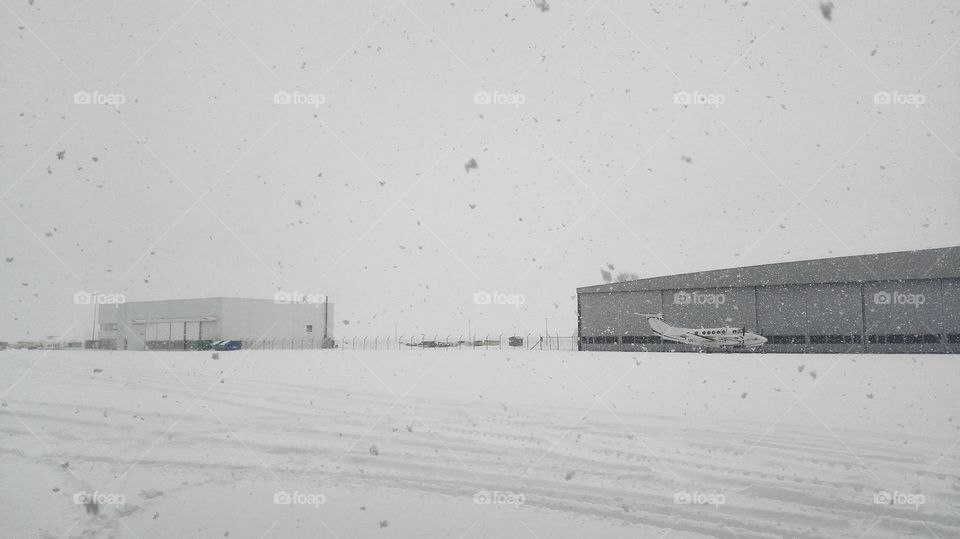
(461,444)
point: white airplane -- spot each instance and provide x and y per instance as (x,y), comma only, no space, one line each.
(724,337)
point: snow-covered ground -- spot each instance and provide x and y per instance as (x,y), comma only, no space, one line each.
(469,443)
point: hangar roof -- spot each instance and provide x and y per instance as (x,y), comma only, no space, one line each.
(902,265)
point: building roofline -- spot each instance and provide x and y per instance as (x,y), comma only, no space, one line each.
(206,298)
(943,262)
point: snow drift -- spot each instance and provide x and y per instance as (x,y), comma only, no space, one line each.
(457,443)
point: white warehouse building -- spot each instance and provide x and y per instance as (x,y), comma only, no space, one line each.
(194,324)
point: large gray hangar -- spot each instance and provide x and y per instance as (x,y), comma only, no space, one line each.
(903,302)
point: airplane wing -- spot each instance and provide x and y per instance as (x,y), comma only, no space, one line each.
(683,338)
(719,340)
(690,338)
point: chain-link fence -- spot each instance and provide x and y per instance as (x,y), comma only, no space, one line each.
(287,343)
(401,342)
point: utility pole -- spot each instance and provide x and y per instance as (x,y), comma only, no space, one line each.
(95,309)
(546,331)
(326,320)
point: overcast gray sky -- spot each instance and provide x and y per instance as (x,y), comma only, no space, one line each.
(186,175)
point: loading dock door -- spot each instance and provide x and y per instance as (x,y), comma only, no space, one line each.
(176,331)
(191,331)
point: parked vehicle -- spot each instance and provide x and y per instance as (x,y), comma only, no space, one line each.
(431,344)
(227,345)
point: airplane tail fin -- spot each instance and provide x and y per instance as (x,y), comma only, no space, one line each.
(656,322)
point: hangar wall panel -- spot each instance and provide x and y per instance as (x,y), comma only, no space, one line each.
(153,310)
(710,307)
(911,307)
(951,305)
(625,320)
(253,318)
(596,311)
(810,309)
